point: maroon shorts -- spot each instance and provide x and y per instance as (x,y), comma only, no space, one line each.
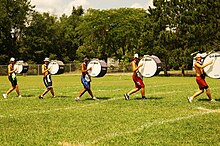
(138,82)
(202,83)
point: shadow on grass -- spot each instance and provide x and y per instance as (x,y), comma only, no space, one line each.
(63,96)
(150,98)
(203,99)
(217,99)
(99,98)
(29,95)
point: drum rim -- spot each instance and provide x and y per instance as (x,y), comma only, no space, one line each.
(205,69)
(101,72)
(158,65)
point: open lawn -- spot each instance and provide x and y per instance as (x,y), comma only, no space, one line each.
(165,118)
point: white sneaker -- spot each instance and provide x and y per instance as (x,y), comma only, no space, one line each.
(19,96)
(77,99)
(126,96)
(213,100)
(190,99)
(4,95)
(94,98)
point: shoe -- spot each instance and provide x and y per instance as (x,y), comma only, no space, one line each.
(77,99)
(4,95)
(19,96)
(144,97)
(213,100)
(190,99)
(94,98)
(40,97)
(126,96)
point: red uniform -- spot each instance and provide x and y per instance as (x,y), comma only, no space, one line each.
(201,82)
(138,81)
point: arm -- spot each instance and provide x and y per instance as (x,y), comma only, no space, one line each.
(204,65)
(135,67)
(83,68)
(10,69)
(44,70)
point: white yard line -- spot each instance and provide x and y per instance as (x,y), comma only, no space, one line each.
(145,126)
(209,110)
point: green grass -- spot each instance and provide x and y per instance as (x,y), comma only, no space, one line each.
(165,118)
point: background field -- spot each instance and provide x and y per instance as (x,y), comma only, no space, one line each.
(165,118)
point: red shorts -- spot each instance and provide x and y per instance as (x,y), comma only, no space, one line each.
(138,82)
(202,83)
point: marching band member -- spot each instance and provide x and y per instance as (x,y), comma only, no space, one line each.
(137,78)
(47,79)
(12,78)
(85,79)
(200,79)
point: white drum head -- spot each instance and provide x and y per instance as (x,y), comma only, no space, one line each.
(18,67)
(96,68)
(54,67)
(150,66)
(213,70)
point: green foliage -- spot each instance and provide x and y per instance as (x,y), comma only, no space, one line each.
(172,30)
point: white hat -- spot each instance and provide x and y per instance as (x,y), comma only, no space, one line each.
(135,55)
(12,59)
(198,55)
(46,59)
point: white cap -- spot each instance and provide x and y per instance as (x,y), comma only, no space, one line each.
(198,55)
(12,59)
(46,59)
(135,55)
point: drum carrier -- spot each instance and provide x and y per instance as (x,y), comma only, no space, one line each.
(151,66)
(21,66)
(213,70)
(56,67)
(99,68)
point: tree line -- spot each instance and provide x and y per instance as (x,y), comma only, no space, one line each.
(172,30)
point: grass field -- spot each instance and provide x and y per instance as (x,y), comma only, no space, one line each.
(165,118)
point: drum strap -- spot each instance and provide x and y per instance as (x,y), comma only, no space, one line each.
(203,73)
(199,62)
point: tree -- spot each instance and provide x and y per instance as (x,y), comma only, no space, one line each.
(112,33)
(188,25)
(13,19)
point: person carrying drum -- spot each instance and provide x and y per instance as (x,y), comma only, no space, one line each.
(200,79)
(137,78)
(85,79)
(12,78)
(47,79)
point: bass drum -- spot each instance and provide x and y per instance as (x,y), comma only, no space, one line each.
(56,67)
(151,66)
(99,68)
(213,70)
(21,67)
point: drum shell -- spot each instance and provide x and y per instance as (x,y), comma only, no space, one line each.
(99,68)
(213,70)
(21,66)
(57,67)
(157,66)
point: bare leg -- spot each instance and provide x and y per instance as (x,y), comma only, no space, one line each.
(197,93)
(17,90)
(208,92)
(133,91)
(45,92)
(143,92)
(52,91)
(10,90)
(82,92)
(90,92)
